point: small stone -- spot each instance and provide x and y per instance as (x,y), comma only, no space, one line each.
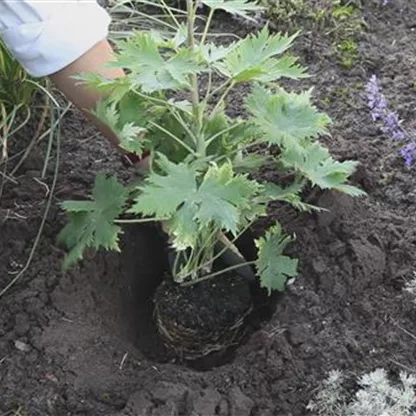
(298,334)
(138,405)
(223,408)
(207,402)
(240,404)
(22,324)
(318,266)
(169,409)
(21,346)
(169,392)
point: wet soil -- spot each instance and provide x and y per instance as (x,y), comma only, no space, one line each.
(82,343)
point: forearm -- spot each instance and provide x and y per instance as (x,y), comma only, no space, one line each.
(85,98)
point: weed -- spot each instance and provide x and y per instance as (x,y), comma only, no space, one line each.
(347,53)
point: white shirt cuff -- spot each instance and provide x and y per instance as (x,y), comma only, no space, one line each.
(45,37)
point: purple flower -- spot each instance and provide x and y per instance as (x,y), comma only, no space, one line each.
(379,108)
(375,100)
(392,126)
(408,152)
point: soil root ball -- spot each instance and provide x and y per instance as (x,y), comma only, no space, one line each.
(208,317)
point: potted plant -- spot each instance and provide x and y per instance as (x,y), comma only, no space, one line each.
(173,102)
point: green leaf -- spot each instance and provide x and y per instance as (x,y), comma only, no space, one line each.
(91,223)
(161,195)
(317,165)
(240,8)
(115,88)
(130,136)
(286,119)
(212,53)
(151,71)
(274,268)
(254,59)
(223,196)
(219,198)
(290,195)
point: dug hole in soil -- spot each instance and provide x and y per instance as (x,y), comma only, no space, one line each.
(83,343)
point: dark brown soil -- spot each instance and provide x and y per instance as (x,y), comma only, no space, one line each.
(83,343)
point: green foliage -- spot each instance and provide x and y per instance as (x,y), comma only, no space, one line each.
(285,10)
(15,86)
(287,119)
(240,8)
(255,59)
(199,183)
(92,222)
(17,97)
(348,53)
(273,267)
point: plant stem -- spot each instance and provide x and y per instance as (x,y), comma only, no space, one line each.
(218,89)
(220,133)
(207,26)
(177,139)
(223,96)
(211,275)
(191,7)
(181,121)
(211,260)
(140,220)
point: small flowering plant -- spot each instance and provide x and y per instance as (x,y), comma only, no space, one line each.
(391,125)
(173,101)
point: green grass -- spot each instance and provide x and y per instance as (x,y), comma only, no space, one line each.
(17,99)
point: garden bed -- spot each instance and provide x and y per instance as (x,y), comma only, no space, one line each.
(83,343)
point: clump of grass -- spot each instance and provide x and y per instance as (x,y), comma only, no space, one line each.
(17,98)
(376,396)
(348,53)
(285,10)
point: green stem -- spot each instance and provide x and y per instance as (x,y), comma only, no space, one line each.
(23,123)
(181,121)
(207,26)
(177,139)
(219,254)
(223,96)
(211,275)
(218,89)
(140,220)
(169,11)
(191,7)
(212,138)
(208,87)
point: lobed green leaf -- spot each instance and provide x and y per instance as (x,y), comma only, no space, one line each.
(254,59)
(273,267)
(286,119)
(91,223)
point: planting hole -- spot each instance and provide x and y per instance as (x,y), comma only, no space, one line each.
(142,265)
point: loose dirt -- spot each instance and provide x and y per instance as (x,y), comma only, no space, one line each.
(82,343)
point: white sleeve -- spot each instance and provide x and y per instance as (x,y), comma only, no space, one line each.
(47,35)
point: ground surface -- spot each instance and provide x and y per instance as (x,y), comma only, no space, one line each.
(80,343)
